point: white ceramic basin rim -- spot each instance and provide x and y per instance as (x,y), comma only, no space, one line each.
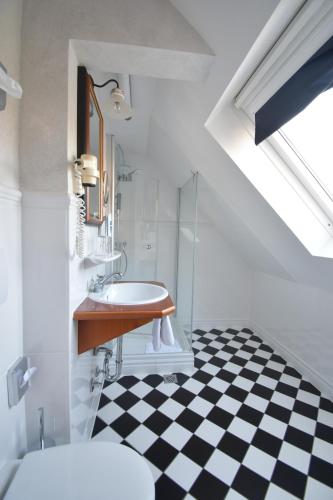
(130,294)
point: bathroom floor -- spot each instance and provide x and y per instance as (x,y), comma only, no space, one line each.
(244,425)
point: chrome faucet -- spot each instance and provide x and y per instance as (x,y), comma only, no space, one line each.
(98,284)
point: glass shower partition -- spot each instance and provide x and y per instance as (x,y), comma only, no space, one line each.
(137,230)
(187,228)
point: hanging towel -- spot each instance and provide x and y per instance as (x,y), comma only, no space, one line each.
(166,331)
(156,333)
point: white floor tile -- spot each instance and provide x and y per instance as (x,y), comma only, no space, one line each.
(255,367)
(324,417)
(274,492)
(171,408)
(242,429)
(231,367)
(256,402)
(108,434)
(317,490)
(234,495)
(273,426)
(140,389)
(168,389)
(176,435)
(229,404)
(243,383)
(222,466)
(141,438)
(193,385)
(302,423)
(210,432)
(110,412)
(295,457)
(260,462)
(244,354)
(323,450)
(267,381)
(224,355)
(204,356)
(279,367)
(141,411)
(308,398)
(211,369)
(183,471)
(287,379)
(283,400)
(218,384)
(114,390)
(200,406)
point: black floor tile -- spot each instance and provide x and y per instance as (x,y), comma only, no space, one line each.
(233,446)
(250,484)
(267,442)
(158,422)
(125,424)
(165,489)
(196,435)
(322,471)
(161,454)
(289,479)
(198,450)
(208,487)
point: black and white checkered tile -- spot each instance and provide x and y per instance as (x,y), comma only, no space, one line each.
(244,425)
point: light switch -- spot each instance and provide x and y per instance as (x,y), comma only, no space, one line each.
(18,380)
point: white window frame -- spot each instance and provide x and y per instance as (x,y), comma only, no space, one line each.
(296,30)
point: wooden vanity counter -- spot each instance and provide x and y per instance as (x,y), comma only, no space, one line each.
(98,323)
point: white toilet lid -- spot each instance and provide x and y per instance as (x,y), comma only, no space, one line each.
(83,471)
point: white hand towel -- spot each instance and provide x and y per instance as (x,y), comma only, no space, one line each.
(166,331)
(156,334)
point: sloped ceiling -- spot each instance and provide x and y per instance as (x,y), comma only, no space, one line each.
(181,109)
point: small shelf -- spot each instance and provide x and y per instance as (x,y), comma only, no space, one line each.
(102,259)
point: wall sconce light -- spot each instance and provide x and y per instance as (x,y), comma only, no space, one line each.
(120,110)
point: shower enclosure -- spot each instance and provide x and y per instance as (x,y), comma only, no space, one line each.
(137,231)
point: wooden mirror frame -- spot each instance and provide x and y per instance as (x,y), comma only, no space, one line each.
(85,92)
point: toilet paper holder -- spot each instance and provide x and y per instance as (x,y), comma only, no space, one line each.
(19,380)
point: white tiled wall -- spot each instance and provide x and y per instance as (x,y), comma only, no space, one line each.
(297,320)
(12,421)
(149,217)
(45,306)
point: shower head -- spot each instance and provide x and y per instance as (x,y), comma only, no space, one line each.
(128,177)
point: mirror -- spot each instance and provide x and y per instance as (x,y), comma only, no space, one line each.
(90,140)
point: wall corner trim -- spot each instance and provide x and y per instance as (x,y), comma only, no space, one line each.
(47,200)
(221,323)
(10,194)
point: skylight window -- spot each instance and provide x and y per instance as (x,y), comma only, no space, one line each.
(309,134)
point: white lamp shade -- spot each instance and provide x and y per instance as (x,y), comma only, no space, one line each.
(120,110)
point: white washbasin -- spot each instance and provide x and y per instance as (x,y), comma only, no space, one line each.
(130,294)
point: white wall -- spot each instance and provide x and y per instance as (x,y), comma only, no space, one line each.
(297,320)
(48,135)
(292,302)
(222,286)
(149,217)
(12,421)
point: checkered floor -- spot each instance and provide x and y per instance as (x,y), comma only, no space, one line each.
(244,425)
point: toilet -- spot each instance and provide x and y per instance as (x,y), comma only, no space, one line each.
(83,471)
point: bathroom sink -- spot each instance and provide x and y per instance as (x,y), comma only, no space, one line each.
(130,294)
